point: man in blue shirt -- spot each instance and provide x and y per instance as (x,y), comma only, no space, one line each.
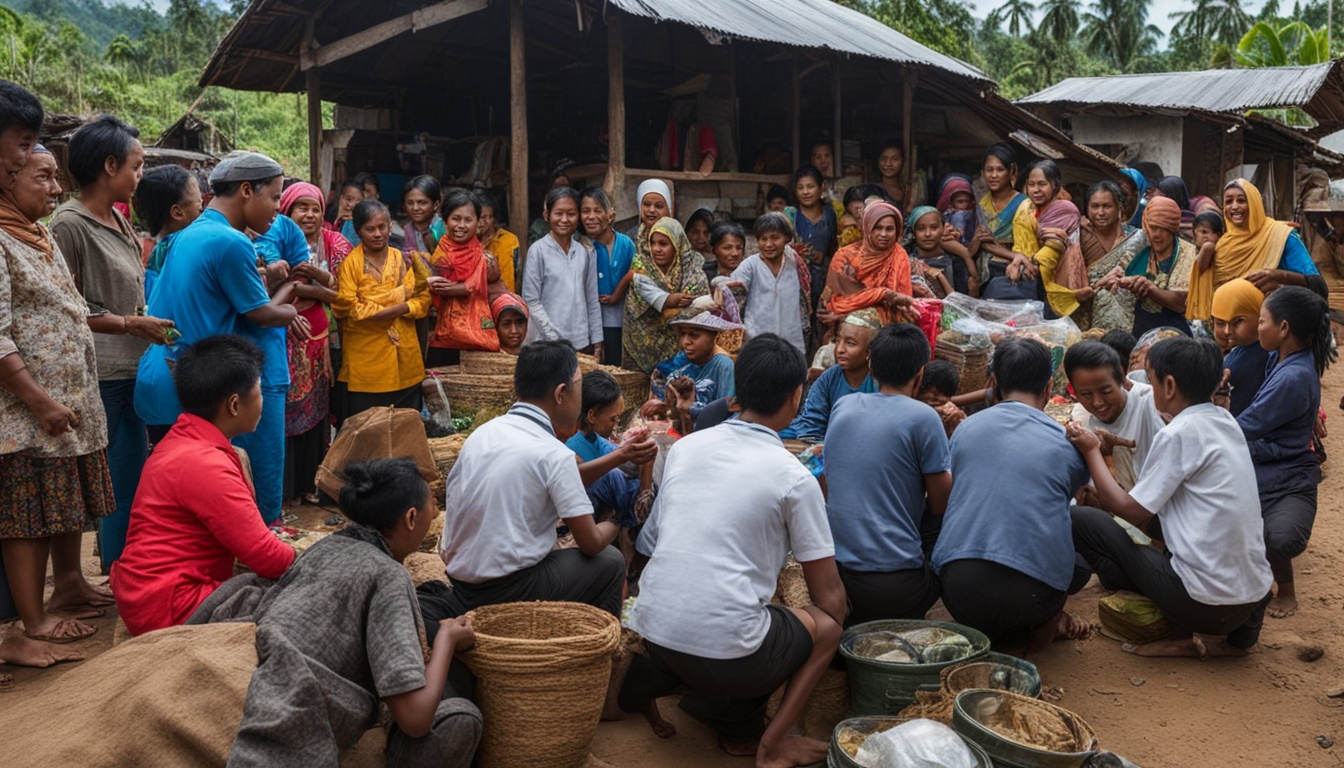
(885,452)
(212,286)
(1005,554)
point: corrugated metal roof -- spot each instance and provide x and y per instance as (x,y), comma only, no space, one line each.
(805,23)
(1316,89)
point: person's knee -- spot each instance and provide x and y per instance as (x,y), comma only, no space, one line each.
(1286,538)
(611,562)
(828,632)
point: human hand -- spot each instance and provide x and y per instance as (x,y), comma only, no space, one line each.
(1222,396)
(457,632)
(684,386)
(150,329)
(300,329)
(1110,441)
(56,419)
(1082,438)
(277,272)
(1088,497)
(653,410)
(1054,233)
(598,349)
(640,452)
(1268,280)
(606,298)
(1084,294)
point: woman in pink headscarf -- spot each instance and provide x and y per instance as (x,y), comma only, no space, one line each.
(308,404)
(874,272)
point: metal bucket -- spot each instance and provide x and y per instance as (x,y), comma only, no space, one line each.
(884,688)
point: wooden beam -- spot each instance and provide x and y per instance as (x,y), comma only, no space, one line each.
(797,115)
(518,167)
(615,182)
(429,16)
(258,53)
(313,79)
(909,80)
(837,162)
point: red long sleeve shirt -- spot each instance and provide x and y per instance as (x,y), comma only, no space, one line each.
(194,513)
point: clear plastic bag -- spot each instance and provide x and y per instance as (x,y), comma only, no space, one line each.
(1013,314)
(918,742)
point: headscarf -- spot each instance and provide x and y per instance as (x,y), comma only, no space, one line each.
(865,318)
(506,301)
(952,184)
(1200,203)
(872,214)
(14,221)
(865,274)
(669,279)
(1140,187)
(918,213)
(297,191)
(1240,251)
(1237,298)
(646,188)
(1161,213)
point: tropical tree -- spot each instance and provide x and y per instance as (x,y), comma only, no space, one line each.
(1120,32)
(1224,21)
(1293,44)
(1017,15)
(124,52)
(1059,22)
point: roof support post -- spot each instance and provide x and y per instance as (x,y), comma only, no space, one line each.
(518,212)
(797,115)
(313,85)
(838,160)
(615,108)
(908,82)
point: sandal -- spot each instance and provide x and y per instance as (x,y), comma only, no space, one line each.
(54,637)
(80,612)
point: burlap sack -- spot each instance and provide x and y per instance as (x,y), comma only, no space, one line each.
(378,433)
(168,698)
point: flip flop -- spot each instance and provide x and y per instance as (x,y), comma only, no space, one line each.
(61,640)
(80,612)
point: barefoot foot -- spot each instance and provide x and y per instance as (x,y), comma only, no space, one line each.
(1071,627)
(77,594)
(739,747)
(1283,605)
(1188,647)
(661,728)
(22,651)
(791,751)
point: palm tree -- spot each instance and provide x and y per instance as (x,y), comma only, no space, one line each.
(122,51)
(1119,31)
(1018,15)
(1293,44)
(1059,23)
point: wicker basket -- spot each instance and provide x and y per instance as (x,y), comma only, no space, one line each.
(502,363)
(972,364)
(445,450)
(542,671)
(492,393)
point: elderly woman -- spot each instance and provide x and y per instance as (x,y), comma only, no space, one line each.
(668,277)
(874,272)
(1159,275)
(1042,233)
(53,469)
(1107,243)
(1256,247)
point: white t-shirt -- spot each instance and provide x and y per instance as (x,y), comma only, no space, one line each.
(512,481)
(733,503)
(1139,421)
(1199,480)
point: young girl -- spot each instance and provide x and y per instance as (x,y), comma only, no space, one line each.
(997,210)
(1236,318)
(420,199)
(352,194)
(956,201)
(614,253)
(349,609)
(459,285)
(931,255)
(379,299)
(666,280)
(890,164)
(500,243)
(697,230)
(1279,425)
(167,199)
(510,315)
(776,284)
(850,374)
(560,279)
(814,224)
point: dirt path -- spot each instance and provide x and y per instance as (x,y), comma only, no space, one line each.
(1264,710)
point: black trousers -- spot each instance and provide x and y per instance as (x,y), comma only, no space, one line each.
(1004,603)
(728,694)
(906,594)
(1288,521)
(1122,564)
(442,357)
(611,346)
(411,397)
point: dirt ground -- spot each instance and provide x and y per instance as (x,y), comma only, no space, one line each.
(1265,710)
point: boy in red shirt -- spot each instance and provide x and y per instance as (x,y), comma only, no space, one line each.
(194,512)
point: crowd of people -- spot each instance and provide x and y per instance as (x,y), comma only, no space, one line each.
(178,391)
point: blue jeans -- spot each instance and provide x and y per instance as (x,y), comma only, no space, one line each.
(127,447)
(616,491)
(266,450)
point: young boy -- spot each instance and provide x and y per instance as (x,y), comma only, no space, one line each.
(1199,480)
(194,512)
(704,607)
(697,375)
(1005,553)
(777,283)
(937,388)
(1109,401)
(886,461)
(849,375)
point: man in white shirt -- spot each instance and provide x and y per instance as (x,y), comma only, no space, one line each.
(732,505)
(1199,481)
(1109,401)
(514,478)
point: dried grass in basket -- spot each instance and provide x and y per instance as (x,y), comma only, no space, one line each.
(972,364)
(502,363)
(542,671)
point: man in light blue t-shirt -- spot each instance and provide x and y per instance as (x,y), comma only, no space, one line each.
(885,453)
(1005,554)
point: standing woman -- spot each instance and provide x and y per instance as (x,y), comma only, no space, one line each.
(53,469)
(998,207)
(1136,196)
(1174,187)
(615,253)
(1041,237)
(1255,247)
(560,279)
(890,164)
(459,285)
(815,223)
(379,298)
(500,243)
(655,203)
(1159,275)
(666,281)
(1108,244)
(420,199)
(103,253)
(874,272)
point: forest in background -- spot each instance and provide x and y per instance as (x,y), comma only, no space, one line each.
(84,56)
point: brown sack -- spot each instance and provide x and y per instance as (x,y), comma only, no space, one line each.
(168,698)
(378,433)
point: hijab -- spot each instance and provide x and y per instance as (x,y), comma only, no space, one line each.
(872,214)
(1240,251)
(646,188)
(1161,213)
(296,192)
(952,184)
(671,229)
(1237,298)
(918,213)
(506,301)
(14,221)
(1140,188)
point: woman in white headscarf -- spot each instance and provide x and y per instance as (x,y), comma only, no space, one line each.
(655,202)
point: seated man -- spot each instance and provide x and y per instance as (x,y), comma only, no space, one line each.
(514,478)
(1005,554)
(1109,401)
(1198,479)
(194,512)
(704,608)
(885,452)
(847,376)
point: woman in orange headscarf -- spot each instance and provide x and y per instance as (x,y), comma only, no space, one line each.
(874,272)
(1159,275)
(1264,251)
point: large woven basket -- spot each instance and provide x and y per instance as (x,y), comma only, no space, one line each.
(492,393)
(972,364)
(542,671)
(504,363)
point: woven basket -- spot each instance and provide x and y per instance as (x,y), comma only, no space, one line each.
(502,363)
(445,450)
(972,364)
(477,393)
(542,671)
(825,708)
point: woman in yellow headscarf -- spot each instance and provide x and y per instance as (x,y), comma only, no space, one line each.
(667,278)
(1264,251)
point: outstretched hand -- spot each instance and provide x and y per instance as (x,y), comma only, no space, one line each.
(458,631)
(1109,441)
(1082,438)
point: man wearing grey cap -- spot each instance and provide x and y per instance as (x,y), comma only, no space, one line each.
(210,286)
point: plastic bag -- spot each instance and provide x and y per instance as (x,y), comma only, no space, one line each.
(958,306)
(918,742)
(1058,335)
